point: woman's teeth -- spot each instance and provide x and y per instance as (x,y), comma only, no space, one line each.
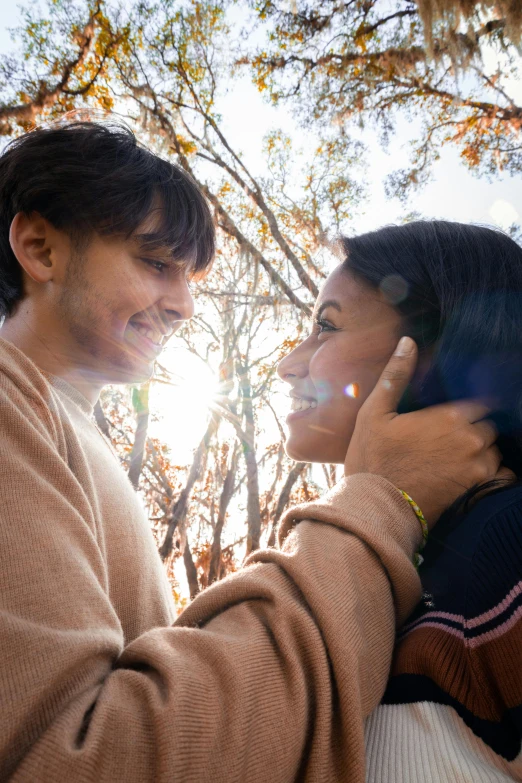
(302,405)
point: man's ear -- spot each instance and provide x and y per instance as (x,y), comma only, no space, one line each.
(29,237)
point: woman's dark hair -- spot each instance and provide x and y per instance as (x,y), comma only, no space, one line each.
(459,288)
(89,177)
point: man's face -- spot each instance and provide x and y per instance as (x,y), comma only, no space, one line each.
(116,303)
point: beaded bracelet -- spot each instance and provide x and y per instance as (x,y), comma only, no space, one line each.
(417,560)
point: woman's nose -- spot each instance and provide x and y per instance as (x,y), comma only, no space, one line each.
(295,364)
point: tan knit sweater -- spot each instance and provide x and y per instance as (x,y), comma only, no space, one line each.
(267,676)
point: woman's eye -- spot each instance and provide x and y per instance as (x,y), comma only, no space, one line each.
(324,326)
(158,265)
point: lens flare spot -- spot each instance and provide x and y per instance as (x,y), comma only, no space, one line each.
(352,390)
(394,288)
(324,392)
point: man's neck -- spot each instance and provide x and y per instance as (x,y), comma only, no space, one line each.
(49,356)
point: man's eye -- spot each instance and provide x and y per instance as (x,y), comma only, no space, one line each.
(324,326)
(159,265)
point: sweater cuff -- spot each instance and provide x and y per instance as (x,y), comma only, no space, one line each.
(373,509)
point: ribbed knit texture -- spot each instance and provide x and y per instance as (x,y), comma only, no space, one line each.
(429,742)
(267,677)
(456,684)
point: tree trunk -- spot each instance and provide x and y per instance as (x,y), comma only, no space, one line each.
(224,500)
(192,574)
(180,506)
(249,450)
(140,400)
(284,497)
(101,421)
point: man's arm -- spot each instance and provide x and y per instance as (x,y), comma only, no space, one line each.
(267,676)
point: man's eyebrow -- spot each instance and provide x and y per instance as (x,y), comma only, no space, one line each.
(329,303)
(155,244)
(152,242)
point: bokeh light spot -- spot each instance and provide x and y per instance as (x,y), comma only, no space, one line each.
(394,288)
(324,392)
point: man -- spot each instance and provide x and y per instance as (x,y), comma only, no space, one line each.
(269,674)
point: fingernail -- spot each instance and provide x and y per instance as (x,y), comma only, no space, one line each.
(404,347)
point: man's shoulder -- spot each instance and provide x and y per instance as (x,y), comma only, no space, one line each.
(17,370)
(25,394)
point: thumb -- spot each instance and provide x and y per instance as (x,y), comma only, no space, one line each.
(394,378)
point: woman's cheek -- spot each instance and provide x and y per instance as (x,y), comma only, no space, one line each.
(343,380)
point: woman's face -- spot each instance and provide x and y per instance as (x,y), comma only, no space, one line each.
(332,372)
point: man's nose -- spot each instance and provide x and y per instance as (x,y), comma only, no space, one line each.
(178,302)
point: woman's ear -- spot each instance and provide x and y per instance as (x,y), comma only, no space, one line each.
(421,392)
(30,240)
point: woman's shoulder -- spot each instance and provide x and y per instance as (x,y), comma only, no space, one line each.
(479,559)
(495,504)
(494,528)
(496,560)
(493,523)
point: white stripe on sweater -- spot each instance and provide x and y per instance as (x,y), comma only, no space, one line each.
(429,743)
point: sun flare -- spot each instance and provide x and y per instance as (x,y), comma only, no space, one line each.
(181,409)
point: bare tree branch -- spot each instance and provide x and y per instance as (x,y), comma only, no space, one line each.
(284,497)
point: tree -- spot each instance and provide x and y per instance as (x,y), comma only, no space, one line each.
(452,13)
(164,67)
(444,63)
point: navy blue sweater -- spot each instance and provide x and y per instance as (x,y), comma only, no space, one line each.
(462,646)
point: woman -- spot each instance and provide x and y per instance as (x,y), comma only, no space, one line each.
(453,706)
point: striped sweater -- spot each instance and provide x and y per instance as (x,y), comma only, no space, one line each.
(452,710)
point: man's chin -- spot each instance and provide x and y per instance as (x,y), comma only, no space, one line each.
(130,372)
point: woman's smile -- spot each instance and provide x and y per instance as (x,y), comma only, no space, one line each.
(335,368)
(302,404)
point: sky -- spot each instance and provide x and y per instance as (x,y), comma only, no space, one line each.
(180,413)
(454,193)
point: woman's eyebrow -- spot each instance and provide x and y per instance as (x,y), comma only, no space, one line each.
(328,303)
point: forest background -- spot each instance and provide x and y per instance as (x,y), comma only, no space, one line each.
(300,120)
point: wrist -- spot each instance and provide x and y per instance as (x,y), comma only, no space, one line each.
(367,497)
(418,559)
(369,507)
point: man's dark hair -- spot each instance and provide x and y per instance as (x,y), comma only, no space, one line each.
(88,177)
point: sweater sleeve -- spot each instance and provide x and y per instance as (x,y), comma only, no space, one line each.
(266,677)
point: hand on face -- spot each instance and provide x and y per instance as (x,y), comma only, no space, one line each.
(348,415)
(435,454)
